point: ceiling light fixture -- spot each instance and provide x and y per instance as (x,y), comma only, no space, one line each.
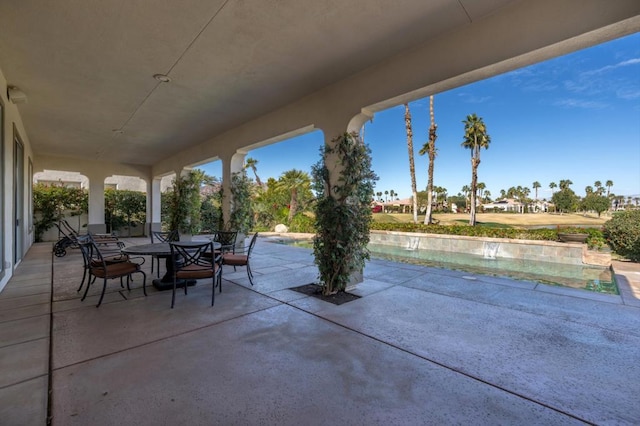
(162,78)
(16,96)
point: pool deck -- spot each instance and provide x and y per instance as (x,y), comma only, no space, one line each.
(421,346)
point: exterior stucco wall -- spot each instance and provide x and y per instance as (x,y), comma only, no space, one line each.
(13,120)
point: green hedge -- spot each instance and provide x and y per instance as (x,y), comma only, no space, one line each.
(622,233)
(482,231)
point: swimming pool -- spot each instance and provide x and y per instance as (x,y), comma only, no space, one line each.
(584,277)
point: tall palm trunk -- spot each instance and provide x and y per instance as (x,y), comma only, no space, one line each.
(255,173)
(293,206)
(472,195)
(432,156)
(412,167)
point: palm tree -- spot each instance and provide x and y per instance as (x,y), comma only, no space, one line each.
(588,189)
(386,199)
(552,185)
(379,195)
(564,184)
(465,191)
(503,194)
(293,181)
(525,197)
(475,138)
(430,148)
(608,184)
(392,194)
(535,186)
(252,163)
(481,188)
(599,188)
(412,167)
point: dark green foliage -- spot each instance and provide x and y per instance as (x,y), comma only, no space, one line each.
(485,231)
(302,223)
(51,202)
(241,211)
(272,204)
(183,203)
(124,208)
(343,212)
(565,200)
(595,202)
(622,233)
(211,213)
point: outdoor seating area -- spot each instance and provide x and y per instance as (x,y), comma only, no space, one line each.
(421,345)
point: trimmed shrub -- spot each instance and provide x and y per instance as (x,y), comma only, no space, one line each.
(622,233)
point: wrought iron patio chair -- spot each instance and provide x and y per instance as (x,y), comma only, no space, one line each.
(241,259)
(99,265)
(161,237)
(191,263)
(227,240)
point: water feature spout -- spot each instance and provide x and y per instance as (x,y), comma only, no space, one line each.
(490,249)
(413,243)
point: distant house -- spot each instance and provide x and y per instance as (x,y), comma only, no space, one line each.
(399,206)
(506,204)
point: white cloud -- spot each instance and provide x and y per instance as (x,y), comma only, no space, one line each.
(628,62)
(577,103)
(472,99)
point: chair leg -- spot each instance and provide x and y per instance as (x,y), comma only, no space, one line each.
(104,288)
(144,282)
(173,293)
(250,274)
(86,289)
(213,291)
(84,277)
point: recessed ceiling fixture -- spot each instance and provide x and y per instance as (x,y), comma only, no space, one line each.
(162,77)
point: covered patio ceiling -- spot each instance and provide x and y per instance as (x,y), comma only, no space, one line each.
(88,67)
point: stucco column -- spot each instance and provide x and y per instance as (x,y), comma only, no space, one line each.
(332,129)
(154,206)
(96,223)
(231,163)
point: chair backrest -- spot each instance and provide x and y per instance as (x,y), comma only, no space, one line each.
(226,238)
(164,236)
(184,254)
(251,244)
(92,255)
(86,248)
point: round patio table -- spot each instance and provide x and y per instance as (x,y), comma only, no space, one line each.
(163,250)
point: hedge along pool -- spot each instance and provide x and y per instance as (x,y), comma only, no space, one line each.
(585,277)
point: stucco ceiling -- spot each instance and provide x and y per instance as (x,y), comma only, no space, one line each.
(88,66)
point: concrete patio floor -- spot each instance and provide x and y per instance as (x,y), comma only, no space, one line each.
(421,346)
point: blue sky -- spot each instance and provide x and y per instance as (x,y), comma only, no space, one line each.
(575,117)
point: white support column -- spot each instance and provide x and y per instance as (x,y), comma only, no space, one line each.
(96,223)
(335,129)
(332,130)
(230,164)
(154,206)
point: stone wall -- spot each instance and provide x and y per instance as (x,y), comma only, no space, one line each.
(528,250)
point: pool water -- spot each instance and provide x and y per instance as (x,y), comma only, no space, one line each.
(585,277)
(592,278)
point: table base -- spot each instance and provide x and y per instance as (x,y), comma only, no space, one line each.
(161,285)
